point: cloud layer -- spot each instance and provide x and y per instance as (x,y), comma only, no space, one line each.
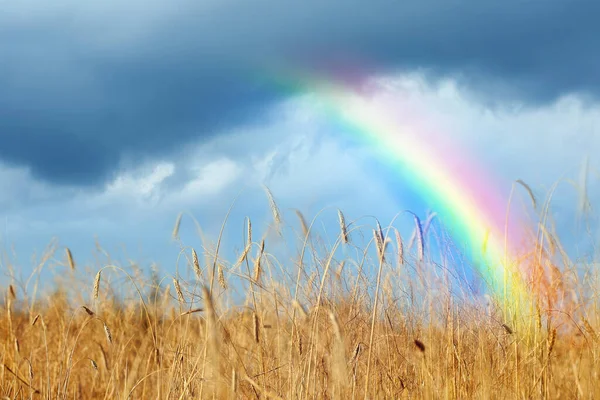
(309,168)
(88,89)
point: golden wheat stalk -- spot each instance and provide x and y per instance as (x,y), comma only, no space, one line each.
(274,208)
(419,236)
(400,246)
(343,227)
(175,233)
(339,370)
(88,311)
(221,276)
(107,333)
(23,381)
(97,285)
(257,261)
(379,244)
(70,260)
(192,311)
(234,381)
(249,232)
(212,349)
(255,327)
(300,308)
(303,224)
(196,264)
(244,255)
(180,297)
(529,192)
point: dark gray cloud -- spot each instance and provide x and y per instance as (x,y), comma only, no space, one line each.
(82,88)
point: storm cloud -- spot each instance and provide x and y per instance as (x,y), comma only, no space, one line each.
(84,88)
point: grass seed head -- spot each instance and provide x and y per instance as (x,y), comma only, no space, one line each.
(88,311)
(274,208)
(255,327)
(175,233)
(419,236)
(420,345)
(70,260)
(400,246)
(222,281)
(196,264)
(180,297)
(343,227)
(107,333)
(249,232)
(303,224)
(97,285)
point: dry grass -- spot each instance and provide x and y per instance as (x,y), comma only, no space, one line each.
(341,322)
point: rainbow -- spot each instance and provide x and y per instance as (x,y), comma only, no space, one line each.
(464,195)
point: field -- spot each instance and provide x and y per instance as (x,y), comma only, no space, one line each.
(340,321)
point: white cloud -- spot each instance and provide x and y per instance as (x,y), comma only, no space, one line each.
(538,144)
(208,182)
(145,187)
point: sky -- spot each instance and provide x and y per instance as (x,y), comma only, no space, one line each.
(116,116)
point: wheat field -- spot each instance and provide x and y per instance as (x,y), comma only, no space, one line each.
(338,321)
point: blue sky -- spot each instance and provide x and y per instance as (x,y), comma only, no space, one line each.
(114,117)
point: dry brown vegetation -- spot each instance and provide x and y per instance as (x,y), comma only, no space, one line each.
(336,322)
